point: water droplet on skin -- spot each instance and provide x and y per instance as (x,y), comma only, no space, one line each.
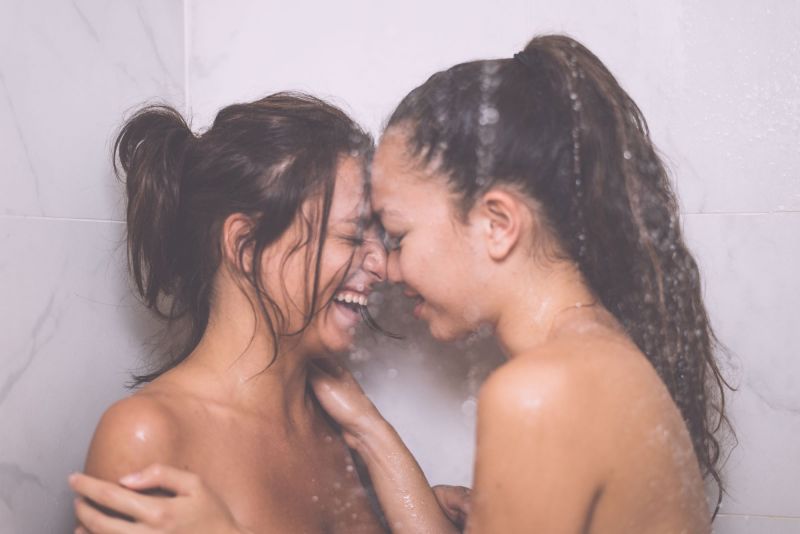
(626,154)
(328,439)
(314,498)
(349,468)
(573,96)
(576,106)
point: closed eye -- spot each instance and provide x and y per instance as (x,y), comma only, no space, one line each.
(392,243)
(357,240)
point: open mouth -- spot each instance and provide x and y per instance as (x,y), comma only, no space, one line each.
(351,300)
(354,305)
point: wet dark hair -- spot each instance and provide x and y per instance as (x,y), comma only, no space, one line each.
(555,124)
(263,159)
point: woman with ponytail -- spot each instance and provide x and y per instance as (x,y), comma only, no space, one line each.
(558,227)
(524,194)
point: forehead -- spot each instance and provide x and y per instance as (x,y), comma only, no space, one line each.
(393,170)
(400,184)
(348,196)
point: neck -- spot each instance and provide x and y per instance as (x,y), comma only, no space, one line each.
(533,314)
(234,364)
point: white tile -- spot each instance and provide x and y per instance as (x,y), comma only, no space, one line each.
(68,73)
(750,265)
(363,54)
(71,332)
(743,524)
(720,90)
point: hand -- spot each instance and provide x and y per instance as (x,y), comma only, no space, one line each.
(454,501)
(342,398)
(193,509)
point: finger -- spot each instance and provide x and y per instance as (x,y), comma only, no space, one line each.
(116,498)
(99,523)
(163,476)
(454,501)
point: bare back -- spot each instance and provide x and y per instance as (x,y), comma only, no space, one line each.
(581,436)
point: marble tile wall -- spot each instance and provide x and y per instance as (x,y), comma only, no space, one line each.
(70,329)
(718,82)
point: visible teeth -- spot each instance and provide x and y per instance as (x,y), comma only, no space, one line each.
(351,298)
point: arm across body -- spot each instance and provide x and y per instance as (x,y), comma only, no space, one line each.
(137,432)
(407,499)
(134,433)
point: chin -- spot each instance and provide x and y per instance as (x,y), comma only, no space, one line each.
(447,333)
(338,343)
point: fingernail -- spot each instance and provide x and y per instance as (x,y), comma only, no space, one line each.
(130,479)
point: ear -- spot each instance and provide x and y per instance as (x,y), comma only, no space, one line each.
(236,227)
(503,215)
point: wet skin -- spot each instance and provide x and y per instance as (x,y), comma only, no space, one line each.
(256,436)
(576,432)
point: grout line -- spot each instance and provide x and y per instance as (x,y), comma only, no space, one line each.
(761,516)
(68,219)
(187,47)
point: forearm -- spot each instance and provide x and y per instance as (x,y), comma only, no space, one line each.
(403,491)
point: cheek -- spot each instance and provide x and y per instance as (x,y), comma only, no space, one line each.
(336,257)
(429,263)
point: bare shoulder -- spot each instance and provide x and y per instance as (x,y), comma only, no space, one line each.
(133,433)
(572,381)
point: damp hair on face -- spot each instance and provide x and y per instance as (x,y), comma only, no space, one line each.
(553,123)
(266,160)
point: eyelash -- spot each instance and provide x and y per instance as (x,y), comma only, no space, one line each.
(357,241)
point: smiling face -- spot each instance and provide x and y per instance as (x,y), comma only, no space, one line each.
(353,259)
(437,257)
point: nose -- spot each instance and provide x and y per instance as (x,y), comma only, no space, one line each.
(393,273)
(375,259)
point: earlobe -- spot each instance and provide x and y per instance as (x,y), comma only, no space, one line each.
(503,215)
(234,231)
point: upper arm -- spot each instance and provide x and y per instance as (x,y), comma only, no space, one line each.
(536,468)
(132,434)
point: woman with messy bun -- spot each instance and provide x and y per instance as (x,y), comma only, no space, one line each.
(253,242)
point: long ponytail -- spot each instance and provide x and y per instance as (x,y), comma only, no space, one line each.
(555,123)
